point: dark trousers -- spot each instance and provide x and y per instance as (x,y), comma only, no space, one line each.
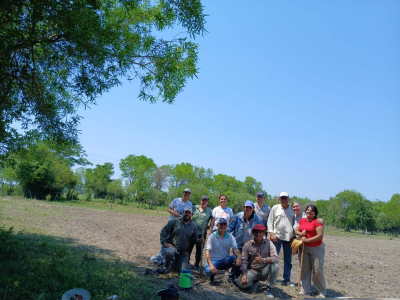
(198,250)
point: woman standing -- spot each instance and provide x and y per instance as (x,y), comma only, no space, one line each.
(311,233)
(201,215)
(221,211)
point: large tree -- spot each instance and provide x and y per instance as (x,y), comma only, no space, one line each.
(56,56)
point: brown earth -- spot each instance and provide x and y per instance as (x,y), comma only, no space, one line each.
(354,266)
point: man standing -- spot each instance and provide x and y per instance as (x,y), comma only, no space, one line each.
(218,251)
(280,228)
(259,262)
(175,238)
(176,211)
(261,209)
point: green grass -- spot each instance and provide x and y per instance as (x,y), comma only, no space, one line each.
(42,267)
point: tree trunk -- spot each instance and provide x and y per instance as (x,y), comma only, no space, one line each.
(112,199)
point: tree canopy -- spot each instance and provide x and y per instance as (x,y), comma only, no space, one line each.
(56,56)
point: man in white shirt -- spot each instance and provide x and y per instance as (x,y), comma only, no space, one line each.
(280,229)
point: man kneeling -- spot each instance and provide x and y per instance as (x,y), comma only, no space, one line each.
(218,249)
(259,262)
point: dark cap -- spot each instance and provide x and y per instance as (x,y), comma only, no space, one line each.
(205,197)
(259,227)
(222,221)
(260,193)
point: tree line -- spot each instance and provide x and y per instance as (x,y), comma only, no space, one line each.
(45,171)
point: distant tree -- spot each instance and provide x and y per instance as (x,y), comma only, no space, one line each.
(392,211)
(97,180)
(161,177)
(41,171)
(182,175)
(115,190)
(57,56)
(252,186)
(138,170)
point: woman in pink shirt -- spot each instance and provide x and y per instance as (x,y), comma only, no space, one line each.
(311,232)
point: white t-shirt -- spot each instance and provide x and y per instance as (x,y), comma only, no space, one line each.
(178,205)
(219,213)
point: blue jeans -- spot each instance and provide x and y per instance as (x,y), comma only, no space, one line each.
(287,258)
(220,264)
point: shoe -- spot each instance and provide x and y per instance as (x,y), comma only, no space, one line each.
(321,295)
(285,282)
(212,279)
(268,293)
(255,286)
(292,284)
(303,292)
(231,282)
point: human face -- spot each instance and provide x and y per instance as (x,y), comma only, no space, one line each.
(258,234)
(203,203)
(187,216)
(222,227)
(260,199)
(186,196)
(297,209)
(310,213)
(223,201)
(249,210)
(284,202)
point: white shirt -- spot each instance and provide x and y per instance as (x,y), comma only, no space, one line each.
(281,222)
(178,205)
(219,213)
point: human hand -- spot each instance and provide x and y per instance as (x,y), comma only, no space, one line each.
(304,239)
(202,241)
(213,269)
(320,221)
(238,260)
(259,259)
(303,233)
(245,280)
(272,237)
(167,245)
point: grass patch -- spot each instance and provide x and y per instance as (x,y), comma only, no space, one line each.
(42,267)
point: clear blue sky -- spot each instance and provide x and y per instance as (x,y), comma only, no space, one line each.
(304,96)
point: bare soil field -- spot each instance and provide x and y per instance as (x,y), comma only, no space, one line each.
(354,266)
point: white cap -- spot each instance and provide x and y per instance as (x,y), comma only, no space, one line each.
(188,208)
(187,190)
(283,194)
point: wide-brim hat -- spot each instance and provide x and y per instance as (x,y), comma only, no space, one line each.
(295,245)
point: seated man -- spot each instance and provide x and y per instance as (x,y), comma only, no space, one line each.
(259,262)
(218,249)
(175,238)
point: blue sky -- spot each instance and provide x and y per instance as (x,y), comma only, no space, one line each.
(304,96)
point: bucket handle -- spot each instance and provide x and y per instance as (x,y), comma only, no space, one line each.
(190,277)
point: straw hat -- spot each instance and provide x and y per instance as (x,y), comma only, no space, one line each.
(295,245)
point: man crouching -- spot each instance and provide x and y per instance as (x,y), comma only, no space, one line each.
(259,262)
(218,249)
(175,238)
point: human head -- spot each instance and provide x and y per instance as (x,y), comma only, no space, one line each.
(284,199)
(223,199)
(260,196)
(296,207)
(187,213)
(204,200)
(258,231)
(186,194)
(314,209)
(248,208)
(222,226)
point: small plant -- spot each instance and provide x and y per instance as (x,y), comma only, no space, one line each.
(48,197)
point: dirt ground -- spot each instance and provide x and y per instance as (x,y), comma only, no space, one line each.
(354,266)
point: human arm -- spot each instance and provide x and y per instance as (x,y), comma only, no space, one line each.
(238,256)
(317,237)
(210,263)
(232,224)
(173,212)
(320,221)
(270,226)
(165,231)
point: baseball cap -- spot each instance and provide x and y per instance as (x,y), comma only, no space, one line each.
(187,190)
(205,197)
(260,193)
(222,221)
(259,227)
(188,208)
(283,194)
(249,203)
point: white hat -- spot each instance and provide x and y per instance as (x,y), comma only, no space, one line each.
(187,190)
(283,194)
(188,208)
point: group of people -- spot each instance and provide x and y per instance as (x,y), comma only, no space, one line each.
(255,235)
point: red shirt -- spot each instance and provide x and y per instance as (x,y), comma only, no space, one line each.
(311,230)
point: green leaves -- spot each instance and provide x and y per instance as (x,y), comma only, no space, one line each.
(58,55)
